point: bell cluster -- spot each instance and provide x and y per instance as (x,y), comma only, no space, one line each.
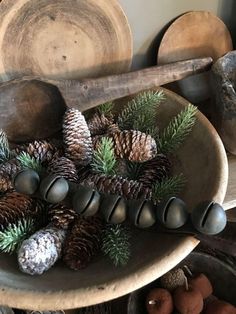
(207,217)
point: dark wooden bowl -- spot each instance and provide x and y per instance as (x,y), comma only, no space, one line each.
(220,273)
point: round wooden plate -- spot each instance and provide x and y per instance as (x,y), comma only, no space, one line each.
(202,160)
(192,35)
(63,39)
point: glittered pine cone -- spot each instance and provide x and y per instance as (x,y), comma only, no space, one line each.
(61,216)
(134,145)
(8,170)
(40,252)
(99,124)
(40,150)
(63,167)
(129,189)
(77,137)
(155,170)
(15,206)
(83,242)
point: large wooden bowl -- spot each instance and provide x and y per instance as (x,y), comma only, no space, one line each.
(203,161)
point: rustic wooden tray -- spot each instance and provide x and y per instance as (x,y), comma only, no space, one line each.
(203,161)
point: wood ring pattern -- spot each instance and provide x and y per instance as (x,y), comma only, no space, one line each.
(63,39)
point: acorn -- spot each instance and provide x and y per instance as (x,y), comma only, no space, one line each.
(172,213)
(202,283)
(159,301)
(209,218)
(141,213)
(173,279)
(220,307)
(26,182)
(187,299)
(86,201)
(54,188)
(113,209)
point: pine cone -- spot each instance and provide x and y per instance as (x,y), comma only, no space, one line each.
(83,172)
(99,124)
(77,138)
(41,150)
(155,170)
(40,252)
(61,216)
(129,189)
(83,242)
(7,171)
(63,167)
(14,206)
(134,145)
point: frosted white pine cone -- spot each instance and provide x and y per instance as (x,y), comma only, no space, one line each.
(40,252)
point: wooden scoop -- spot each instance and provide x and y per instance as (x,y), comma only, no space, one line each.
(32,108)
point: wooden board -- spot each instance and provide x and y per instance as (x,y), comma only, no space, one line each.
(192,35)
(230,198)
(63,39)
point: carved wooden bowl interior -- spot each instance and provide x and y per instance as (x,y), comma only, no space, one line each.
(203,161)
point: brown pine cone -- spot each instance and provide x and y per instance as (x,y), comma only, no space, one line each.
(40,150)
(83,172)
(99,124)
(77,138)
(83,242)
(61,216)
(155,170)
(8,170)
(63,167)
(134,145)
(129,189)
(15,206)
(96,139)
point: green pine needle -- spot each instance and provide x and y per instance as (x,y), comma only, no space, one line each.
(116,244)
(168,187)
(5,152)
(12,237)
(177,130)
(29,162)
(104,160)
(140,112)
(134,169)
(106,108)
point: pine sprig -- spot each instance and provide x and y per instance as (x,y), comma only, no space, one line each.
(116,244)
(134,169)
(177,130)
(140,112)
(15,234)
(168,187)
(29,162)
(106,108)
(104,160)
(5,152)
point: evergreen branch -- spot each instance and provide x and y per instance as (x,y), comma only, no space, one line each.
(29,162)
(106,108)
(5,152)
(134,169)
(168,187)
(104,160)
(140,112)
(177,130)
(116,244)
(12,237)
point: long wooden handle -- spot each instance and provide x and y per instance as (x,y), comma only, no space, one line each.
(86,94)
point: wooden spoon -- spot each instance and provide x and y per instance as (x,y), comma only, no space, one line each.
(32,108)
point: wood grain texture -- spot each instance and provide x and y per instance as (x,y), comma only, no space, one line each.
(153,253)
(22,98)
(63,39)
(193,35)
